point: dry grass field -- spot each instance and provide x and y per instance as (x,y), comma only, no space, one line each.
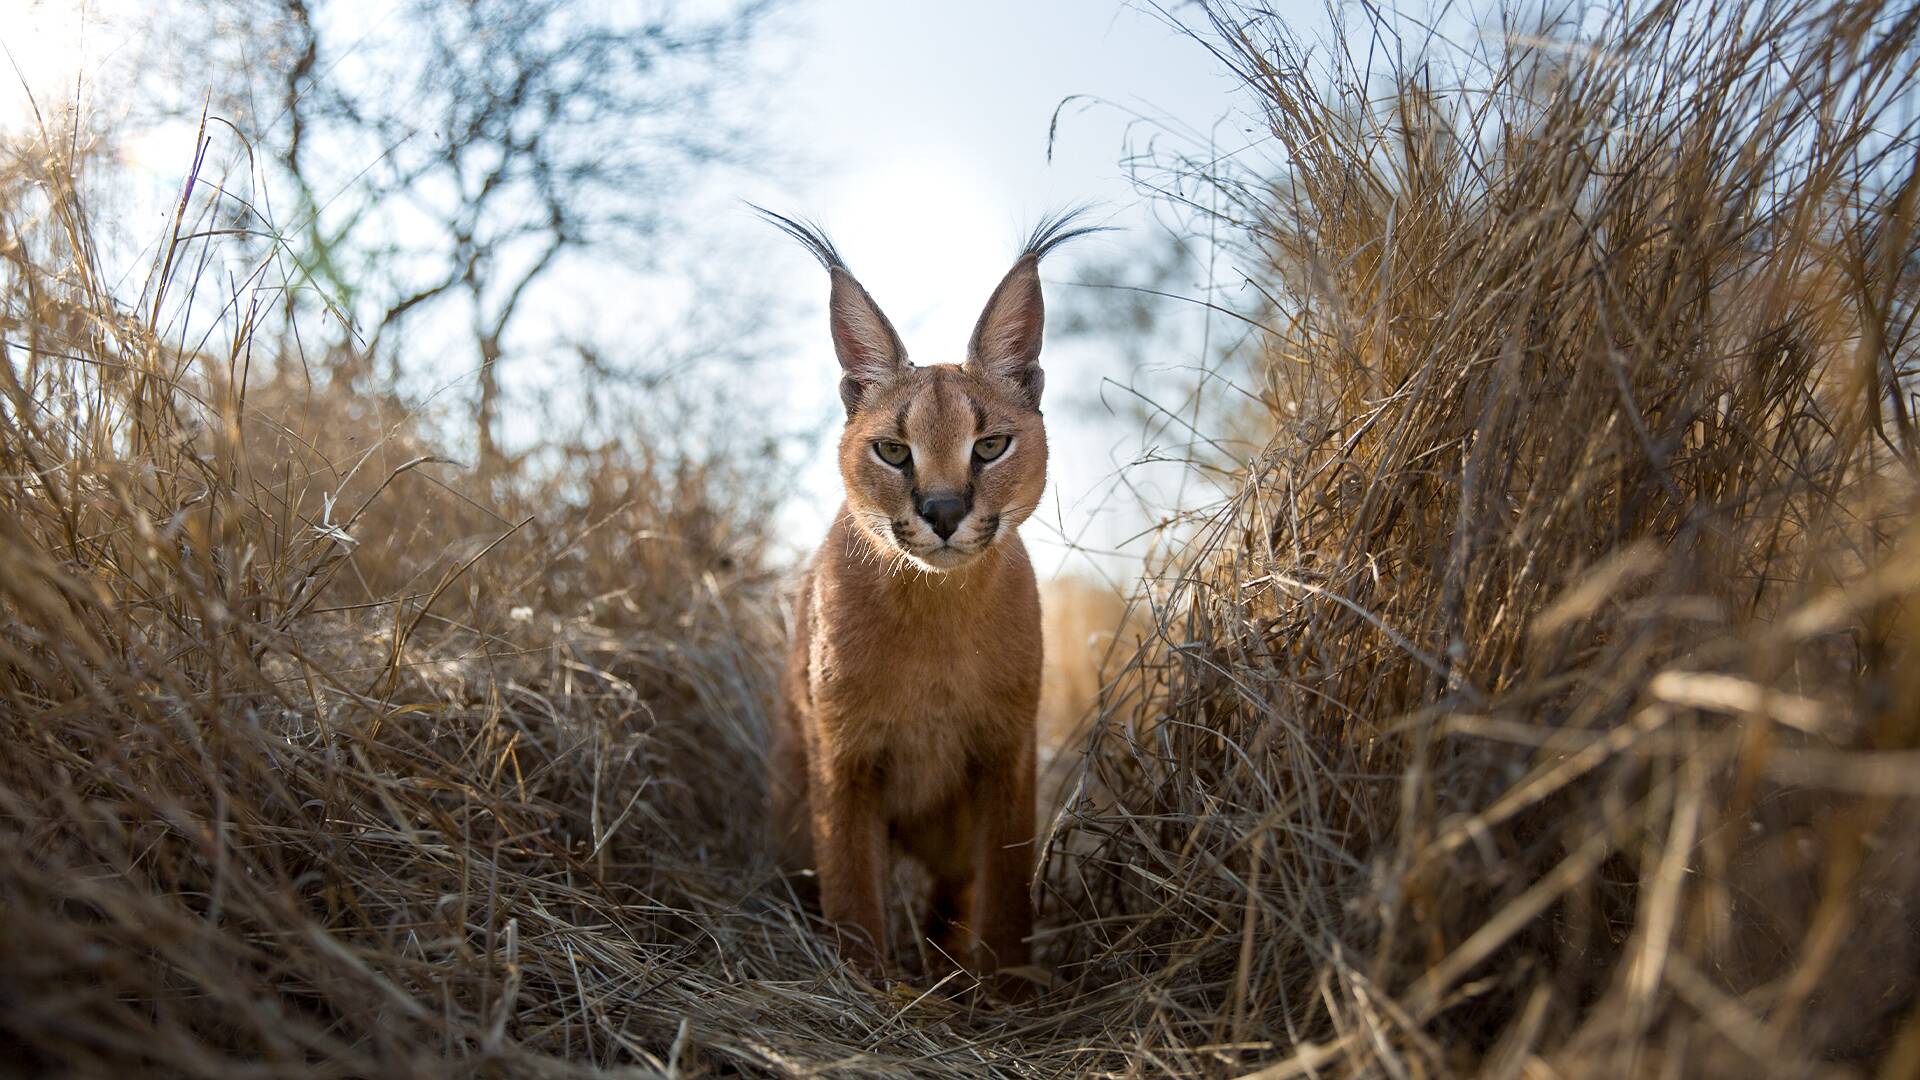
(1545,701)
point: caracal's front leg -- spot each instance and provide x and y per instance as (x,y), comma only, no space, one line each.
(1003,902)
(850,846)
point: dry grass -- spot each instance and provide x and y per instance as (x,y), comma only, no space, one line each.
(1089,630)
(1543,702)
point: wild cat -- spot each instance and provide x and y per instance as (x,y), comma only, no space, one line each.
(906,712)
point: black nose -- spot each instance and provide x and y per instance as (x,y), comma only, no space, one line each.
(943,512)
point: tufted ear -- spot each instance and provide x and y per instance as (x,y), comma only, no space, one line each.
(870,352)
(1006,340)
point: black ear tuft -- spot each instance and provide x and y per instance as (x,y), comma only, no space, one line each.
(1059,228)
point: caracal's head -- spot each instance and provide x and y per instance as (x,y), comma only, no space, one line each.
(941,462)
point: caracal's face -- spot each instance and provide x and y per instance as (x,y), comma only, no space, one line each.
(941,464)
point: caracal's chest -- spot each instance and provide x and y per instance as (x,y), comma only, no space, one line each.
(915,696)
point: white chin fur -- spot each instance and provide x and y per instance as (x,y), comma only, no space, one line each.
(941,560)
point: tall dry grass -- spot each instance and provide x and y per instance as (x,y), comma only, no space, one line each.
(318,748)
(1543,702)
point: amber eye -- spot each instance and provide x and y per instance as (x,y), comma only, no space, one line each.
(989,448)
(896,454)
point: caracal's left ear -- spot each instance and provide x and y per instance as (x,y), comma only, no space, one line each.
(1006,341)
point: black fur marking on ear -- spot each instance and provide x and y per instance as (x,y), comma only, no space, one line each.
(1033,382)
(850,394)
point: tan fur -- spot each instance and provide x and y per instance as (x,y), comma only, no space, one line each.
(909,696)
(906,719)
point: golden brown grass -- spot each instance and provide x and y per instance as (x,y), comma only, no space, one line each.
(1089,629)
(1543,702)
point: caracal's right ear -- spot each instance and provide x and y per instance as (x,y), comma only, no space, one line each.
(870,352)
